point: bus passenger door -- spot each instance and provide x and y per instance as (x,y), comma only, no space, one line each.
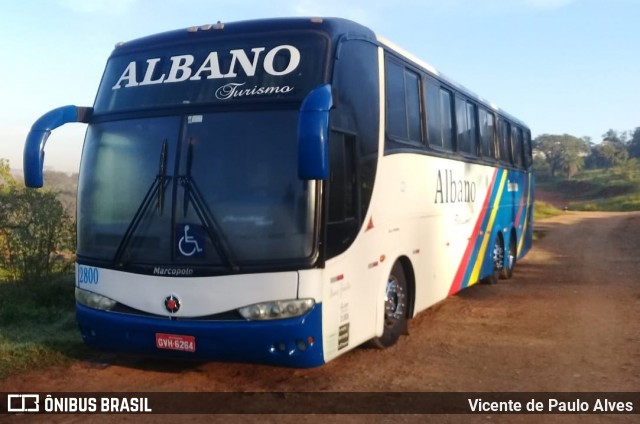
(342,215)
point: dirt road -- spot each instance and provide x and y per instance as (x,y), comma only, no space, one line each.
(568,321)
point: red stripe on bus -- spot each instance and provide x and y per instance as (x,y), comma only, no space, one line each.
(457,280)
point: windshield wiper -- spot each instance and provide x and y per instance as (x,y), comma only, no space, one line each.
(162,177)
(157,188)
(193,194)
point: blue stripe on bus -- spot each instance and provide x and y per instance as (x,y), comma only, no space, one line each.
(482,257)
(498,212)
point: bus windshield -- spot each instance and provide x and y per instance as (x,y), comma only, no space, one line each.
(218,189)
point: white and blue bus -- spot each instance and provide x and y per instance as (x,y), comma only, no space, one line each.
(281,191)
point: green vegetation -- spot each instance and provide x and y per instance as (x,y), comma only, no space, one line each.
(592,177)
(37,325)
(37,244)
(542,210)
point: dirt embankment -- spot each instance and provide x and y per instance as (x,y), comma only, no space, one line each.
(569,321)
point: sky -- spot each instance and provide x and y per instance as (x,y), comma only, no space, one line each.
(561,66)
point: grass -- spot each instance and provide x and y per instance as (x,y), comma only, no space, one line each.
(615,189)
(622,203)
(542,210)
(37,325)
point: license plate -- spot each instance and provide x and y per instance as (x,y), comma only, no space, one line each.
(176,342)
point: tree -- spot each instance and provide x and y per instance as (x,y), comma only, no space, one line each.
(562,152)
(608,154)
(617,138)
(6,179)
(35,231)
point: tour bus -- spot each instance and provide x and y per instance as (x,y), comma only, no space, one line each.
(281,191)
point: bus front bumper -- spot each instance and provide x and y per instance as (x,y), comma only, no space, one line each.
(292,342)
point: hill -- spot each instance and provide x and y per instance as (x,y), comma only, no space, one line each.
(614,189)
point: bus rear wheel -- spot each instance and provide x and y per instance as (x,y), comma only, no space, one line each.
(395,308)
(507,270)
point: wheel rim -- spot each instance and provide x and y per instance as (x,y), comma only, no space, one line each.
(394,304)
(498,255)
(512,254)
(512,260)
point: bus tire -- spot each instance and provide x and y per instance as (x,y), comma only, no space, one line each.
(510,256)
(497,258)
(395,308)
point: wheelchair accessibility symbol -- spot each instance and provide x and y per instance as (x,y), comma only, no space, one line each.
(191,240)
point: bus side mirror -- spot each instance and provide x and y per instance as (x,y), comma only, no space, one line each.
(313,134)
(33,157)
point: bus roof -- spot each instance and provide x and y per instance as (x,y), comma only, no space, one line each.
(333,27)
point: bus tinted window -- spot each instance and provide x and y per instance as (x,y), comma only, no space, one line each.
(487,133)
(471,127)
(412,81)
(466,126)
(528,157)
(461,124)
(404,120)
(446,121)
(396,102)
(516,146)
(434,125)
(503,141)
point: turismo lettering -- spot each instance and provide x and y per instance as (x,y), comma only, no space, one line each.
(451,190)
(235,90)
(183,66)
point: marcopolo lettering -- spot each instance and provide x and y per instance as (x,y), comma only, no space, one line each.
(451,190)
(173,272)
(183,66)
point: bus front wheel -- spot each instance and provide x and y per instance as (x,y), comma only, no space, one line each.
(395,308)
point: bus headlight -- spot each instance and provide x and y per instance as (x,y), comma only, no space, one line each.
(94,300)
(277,310)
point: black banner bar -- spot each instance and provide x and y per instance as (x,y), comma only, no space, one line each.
(321,403)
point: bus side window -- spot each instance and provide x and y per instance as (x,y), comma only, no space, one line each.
(396,101)
(404,114)
(414,115)
(487,133)
(471,128)
(434,126)
(516,146)
(504,143)
(446,121)
(461,124)
(466,126)
(528,155)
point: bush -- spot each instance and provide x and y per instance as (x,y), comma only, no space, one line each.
(542,210)
(37,235)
